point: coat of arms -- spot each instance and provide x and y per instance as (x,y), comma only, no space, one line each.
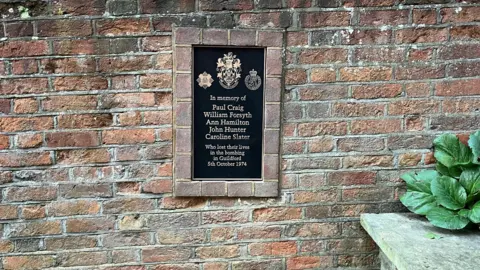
(205,80)
(229,71)
(253,81)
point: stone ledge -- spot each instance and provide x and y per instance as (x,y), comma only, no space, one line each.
(402,238)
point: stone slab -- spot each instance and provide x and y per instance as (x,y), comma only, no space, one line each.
(402,238)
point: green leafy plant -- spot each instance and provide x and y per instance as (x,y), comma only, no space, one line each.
(450,195)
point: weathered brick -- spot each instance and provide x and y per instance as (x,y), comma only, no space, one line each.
(127,239)
(216,5)
(23,86)
(376,91)
(74,242)
(73,208)
(362,74)
(29,262)
(384,17)
(23,48)
(306,262)
(271,19)
(80,83)
(8,212)
(273,248)
(458,88)
(367,161)
(276,214)
(361,144)
(231,251)
(35,228)
(90,225)
(72,139)
(124,205)
(124,26)
(324,19)
(82,258)
(25,159)
(421,35)
(166,254)
(85,121)
(64,28)
(376,126)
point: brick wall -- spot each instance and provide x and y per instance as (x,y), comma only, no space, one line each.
(86,130)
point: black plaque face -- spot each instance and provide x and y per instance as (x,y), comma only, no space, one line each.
(228,105)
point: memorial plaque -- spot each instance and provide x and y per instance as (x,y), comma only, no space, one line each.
(228,107)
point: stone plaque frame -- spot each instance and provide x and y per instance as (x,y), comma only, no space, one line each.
(184,38)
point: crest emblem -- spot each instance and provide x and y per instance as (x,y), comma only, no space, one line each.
(229,70)
(253,81)
(205,80)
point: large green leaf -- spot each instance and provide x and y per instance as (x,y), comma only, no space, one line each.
(451,152)
(418,202)
(470,180)
(474,213)
(474,143)
(420,181)
(449,192)
(447,219)
(454,171)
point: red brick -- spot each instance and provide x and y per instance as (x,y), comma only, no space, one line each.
(23,159)
(6,246)
(64,28)
(69,103)
(376,3)
(273,248)
(73,208)
(80,83)
(8,212)
(421,35)
(19,29)
(213,252)
(74,47)
(322,128)
(33,212)
(156,44)
(122,205)
(465,32)
(461,105)
(413,107)
(321,145)
(158,186)
(383,54)
(5,106)
(409,159)
(367,161)
(361,144)
(83,156)
(73,7)
(130,100)
(308,262)
(269,232)
(419,72)
(418,55)
(23,86)
(322,56)
(162,80)
(23,194)
(129,136)
(217,5)
(299,3)
(376,126)
(329,195)
(10,124)
(297,38)
(21,67)
(384,17)
(460,15)
(276,214)
(319,75)
(82,258)
(125,63)
(295,76)
(83,225)
(376,91)
(365,37)
(120,27)
(165,254)
(23,48)
(363,74)
(367,194)
(129,118)
(72,139)
(323,19)
(29,140)
(164,61)
(324,92)
(29,262)
(260,20)
(352,109)
(4,142)
(79,121)
(424,16)
(351,178)
(74,242)
(458,88)
(182,203)
(68,65)
(459,51)
(466,69)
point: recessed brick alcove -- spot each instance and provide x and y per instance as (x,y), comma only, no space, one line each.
(184,39)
